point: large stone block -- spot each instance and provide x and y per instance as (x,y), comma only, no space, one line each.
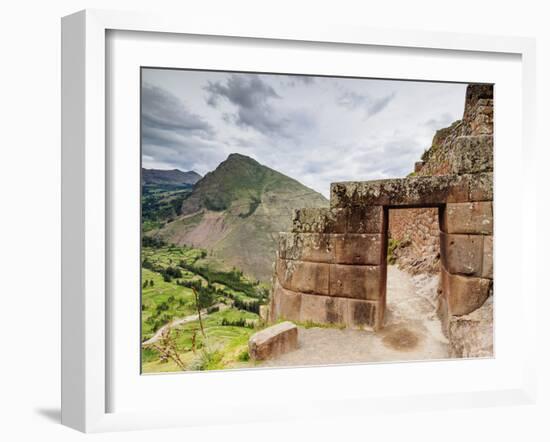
(474,217)
(472,154)
(364,314)
(462,254)
(366,219)
(413,191)
(305,277)
(465,293)
(312,220)
(286,304)
(361,249)
(471,336)
(273,341)
(480,187)
(314,247)
(487,257)
(324,309)
(416,191)
(359,282)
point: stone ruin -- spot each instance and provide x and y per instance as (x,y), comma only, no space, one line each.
(331,267)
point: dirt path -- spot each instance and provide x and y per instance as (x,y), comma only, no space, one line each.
(412,330)
(181,321)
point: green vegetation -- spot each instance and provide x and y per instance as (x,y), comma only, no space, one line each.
(393,245)
(236,212)
(176,284)
(161,203)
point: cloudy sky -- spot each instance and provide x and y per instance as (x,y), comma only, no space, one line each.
(315,129)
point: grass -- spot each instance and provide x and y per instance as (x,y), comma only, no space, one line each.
(393,245)
(225,346)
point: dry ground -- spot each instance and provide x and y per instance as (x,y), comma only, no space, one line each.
(412,330)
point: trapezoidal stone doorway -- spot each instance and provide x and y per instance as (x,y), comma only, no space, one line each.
(332,267)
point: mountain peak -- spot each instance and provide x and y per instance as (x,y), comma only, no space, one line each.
(240,182)
(241,157)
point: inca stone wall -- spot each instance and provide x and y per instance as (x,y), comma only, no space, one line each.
(331,268)
(417,230)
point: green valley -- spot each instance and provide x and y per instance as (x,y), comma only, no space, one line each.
(177,282)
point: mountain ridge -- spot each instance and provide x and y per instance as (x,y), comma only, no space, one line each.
(236,212)
(169,176)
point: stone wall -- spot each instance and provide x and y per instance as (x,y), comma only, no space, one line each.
(463,147)
(332,267)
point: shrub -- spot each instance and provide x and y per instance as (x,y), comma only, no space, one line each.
(207,360)
(244,356)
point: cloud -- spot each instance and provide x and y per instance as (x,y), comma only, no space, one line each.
(313,129)
(253,99)
(295,80)
(353,100)
(163,111)
(440,122)
(172,135)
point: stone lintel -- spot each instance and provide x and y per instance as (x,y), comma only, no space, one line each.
(420,191)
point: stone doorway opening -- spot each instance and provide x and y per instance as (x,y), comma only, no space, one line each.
(413,239)
(412,306)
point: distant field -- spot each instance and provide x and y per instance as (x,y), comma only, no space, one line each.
(229,304)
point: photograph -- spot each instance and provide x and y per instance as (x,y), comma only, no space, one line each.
(292,220)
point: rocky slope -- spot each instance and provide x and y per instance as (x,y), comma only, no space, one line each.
(236,212)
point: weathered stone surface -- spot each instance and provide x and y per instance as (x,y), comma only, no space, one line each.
(323,220)
(305,277)
(358,249)
(324,309)
(414,191)
(273,341)
(487,257)
(359,282)
(364,314)
(368,219)
(471,336)
(464,293)
(481,187)
(314,247)
(475,217)
(478,110)
(472,154)
(462,254)
(419,191)
(286,304)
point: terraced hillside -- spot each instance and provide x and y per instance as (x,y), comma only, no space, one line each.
(172,331)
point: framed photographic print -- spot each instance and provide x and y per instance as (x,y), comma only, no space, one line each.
(332,202)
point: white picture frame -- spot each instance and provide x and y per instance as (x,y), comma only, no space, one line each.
(86,202)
